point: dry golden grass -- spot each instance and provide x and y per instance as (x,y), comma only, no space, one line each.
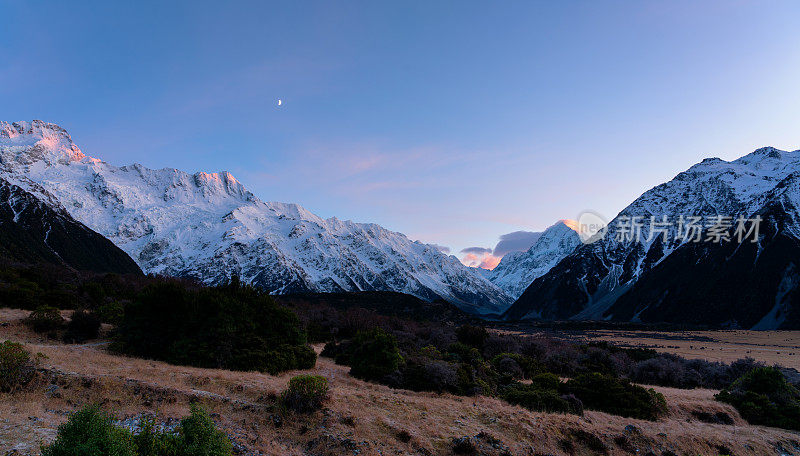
(359,416)
(771,347)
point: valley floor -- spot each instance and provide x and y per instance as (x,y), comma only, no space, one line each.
(770,347)
(360,418)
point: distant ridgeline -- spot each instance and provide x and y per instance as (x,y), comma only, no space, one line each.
(659,271)
(209,227)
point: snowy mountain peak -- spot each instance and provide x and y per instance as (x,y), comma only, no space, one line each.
(669,278)
(28,142)
(209,227)
(518,269)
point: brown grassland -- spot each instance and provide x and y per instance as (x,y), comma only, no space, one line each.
(771,347)
(359,418)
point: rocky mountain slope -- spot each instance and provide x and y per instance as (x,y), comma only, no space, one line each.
(517,270)
(667,277)
(209,227)
(32,232)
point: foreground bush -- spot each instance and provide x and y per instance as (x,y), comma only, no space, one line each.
(198,436)
(616,396)
(17,368)
(372,355)
(231,327)
(305,394)
(542,395)
(82,326)
(45,319)
(763,396)
(91,432)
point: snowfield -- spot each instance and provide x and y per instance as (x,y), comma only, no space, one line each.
(207,226)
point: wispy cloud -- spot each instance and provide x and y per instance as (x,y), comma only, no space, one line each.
(516,241)
(476,250)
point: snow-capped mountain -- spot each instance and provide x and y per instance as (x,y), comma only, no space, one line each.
(32,232)
(649,279)
(209,227)
(517,270)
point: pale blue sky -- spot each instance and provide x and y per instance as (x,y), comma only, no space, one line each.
(453,122)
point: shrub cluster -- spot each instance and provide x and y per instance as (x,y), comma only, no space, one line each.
(29,287)
(91,432)
(473,361)
(45,319)
(305,394)
(232,327)
(617,396)
(371,355)
(82,326)
(542,395)
(17,367)
(763,396)
(469,360)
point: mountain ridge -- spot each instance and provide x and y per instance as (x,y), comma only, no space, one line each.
(517,270)
(603,280)
(33,232)
(208,226)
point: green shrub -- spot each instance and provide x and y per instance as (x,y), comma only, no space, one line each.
(305,394)
(474,336)
(17,368)
(231,327)
(464,353)
(505,363)
(539,400)
(45,319)
(198,436)
(616,396)
(542,395)
(82,326)
(90,432)
(111,312)
(421,373)
(373,354)
(150,442)
(763,396)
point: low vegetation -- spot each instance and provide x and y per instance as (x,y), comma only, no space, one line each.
(17,366)
(763,396)
(232,327)
(30,287)
(45,319)
(305,394)
(542,395)
(469,360)
(616,396)
(237,327)
(82,326)
(91,432)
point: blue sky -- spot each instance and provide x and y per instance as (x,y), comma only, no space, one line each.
(453,122)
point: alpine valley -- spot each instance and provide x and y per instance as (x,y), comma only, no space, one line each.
(207,226)
(673,279)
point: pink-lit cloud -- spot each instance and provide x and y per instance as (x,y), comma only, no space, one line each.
(481,260)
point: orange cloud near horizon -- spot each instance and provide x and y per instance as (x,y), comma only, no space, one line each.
(484,261)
